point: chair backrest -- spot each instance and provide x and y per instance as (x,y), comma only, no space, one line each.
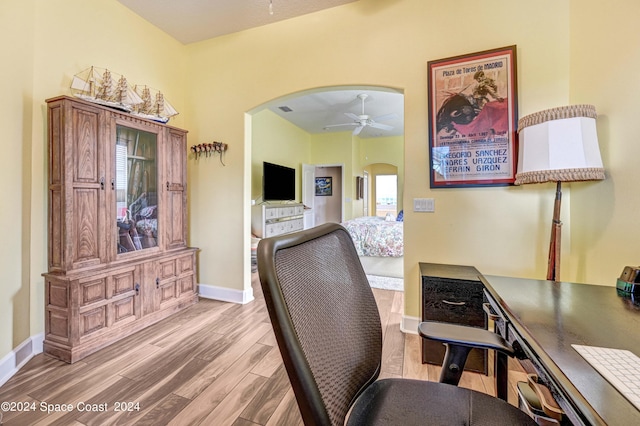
(325,318)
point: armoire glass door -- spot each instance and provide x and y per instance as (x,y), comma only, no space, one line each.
(136,189)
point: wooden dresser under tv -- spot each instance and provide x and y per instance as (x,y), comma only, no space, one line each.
(270,220)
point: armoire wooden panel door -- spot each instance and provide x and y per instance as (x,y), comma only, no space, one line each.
(77,236)
(176,189)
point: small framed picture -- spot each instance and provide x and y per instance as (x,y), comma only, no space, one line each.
(472,119)
(324,186)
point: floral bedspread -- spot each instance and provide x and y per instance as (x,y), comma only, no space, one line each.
(374,236)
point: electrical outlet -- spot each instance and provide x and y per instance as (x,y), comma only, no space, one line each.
(424,205)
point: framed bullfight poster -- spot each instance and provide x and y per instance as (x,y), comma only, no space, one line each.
(473,119)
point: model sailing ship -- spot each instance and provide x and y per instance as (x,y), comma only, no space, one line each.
(103,87)
(153,107)
(98,86)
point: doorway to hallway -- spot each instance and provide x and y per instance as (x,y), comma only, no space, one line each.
(322,194)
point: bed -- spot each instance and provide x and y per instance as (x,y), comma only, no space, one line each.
(379,244)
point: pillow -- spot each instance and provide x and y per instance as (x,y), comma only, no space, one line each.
(148,212)
(400,217)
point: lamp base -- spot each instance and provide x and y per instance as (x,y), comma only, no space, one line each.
(553,265)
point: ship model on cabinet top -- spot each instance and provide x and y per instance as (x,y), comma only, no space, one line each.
(103,87)
(154,106)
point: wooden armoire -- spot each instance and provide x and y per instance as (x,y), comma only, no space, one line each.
(118,259)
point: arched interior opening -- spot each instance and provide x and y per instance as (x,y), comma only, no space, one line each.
(341,132)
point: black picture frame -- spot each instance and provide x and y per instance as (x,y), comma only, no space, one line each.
(324,186)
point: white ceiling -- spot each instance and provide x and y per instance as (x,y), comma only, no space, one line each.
(313,111)
(190,21)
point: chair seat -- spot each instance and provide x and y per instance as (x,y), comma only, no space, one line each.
(415,402)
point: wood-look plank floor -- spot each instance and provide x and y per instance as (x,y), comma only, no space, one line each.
(214,363)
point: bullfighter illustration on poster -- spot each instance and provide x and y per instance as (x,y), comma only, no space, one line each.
(472,119)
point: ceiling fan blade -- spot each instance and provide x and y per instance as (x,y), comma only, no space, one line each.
(364,120)
(381,126)
(392,116)
(343,124)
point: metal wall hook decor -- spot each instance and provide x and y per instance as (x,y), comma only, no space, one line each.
(209,149)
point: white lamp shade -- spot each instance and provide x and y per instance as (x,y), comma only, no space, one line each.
(560,144)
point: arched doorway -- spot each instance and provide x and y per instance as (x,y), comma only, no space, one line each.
(384,189)
(299,129)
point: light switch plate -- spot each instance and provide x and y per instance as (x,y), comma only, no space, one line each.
(424,205)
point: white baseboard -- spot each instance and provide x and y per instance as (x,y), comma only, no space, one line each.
(409,324)
(225,294)
(19,356)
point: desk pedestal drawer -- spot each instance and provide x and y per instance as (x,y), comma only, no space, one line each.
(452,294)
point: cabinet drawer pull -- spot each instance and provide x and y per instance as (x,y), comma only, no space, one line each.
(454,303)
(157,282)
(102,183)
(113,184)
(167,185)
(137,289)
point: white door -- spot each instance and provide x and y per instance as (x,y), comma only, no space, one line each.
(308,194)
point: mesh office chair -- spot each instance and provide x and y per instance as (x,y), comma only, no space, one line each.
(328,329)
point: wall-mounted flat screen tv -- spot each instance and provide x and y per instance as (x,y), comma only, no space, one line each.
(278,182)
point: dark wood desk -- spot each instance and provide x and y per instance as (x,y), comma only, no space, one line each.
(547,317)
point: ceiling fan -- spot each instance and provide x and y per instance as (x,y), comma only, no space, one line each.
(363,120)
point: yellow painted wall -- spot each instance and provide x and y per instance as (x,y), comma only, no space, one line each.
(605,215)
(499,230)
(277,141)
(16,115)
(44,43)
(357,205)
(568,51)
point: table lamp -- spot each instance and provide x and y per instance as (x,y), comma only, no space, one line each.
(558,145)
